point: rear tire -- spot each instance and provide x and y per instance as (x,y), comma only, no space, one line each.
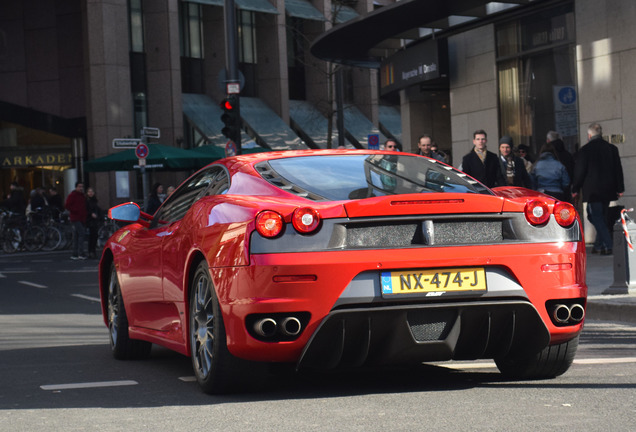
(216,369)
(552,361)
(123,347)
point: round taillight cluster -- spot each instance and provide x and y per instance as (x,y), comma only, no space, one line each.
(270,223)
(564,213)
(305,220)
(538,213)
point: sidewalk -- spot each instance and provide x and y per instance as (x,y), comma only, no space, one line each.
(607,307)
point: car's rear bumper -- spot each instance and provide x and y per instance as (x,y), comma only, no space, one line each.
(523,281)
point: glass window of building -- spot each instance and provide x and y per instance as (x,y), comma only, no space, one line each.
(137,66)
(537,77)
(247,50)
(296,44)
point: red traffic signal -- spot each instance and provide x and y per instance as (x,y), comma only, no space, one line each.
(231,118)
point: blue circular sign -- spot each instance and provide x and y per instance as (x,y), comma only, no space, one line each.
(141,151)
(567,95)
(230,149)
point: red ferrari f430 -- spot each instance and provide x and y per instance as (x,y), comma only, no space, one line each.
(345,258)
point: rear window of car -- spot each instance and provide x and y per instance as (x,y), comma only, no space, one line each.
(348,177)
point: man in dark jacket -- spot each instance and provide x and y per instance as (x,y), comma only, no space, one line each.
(512,167)
(482,164)
(598,171)
(15,201)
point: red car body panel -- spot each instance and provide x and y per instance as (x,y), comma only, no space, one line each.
(154,265)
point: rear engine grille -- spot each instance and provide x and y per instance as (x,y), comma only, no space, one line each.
(467,232)
(443,233)
(382,235)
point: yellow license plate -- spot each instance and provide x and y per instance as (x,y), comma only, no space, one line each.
(433,280)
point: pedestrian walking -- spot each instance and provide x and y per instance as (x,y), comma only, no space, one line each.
(154,200)
(599,174)
(15,201)
(549,176)
(513,167)
(76,206)
(94,215)
(425,148)
(481,164)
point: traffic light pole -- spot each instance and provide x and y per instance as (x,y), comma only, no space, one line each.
(231,65)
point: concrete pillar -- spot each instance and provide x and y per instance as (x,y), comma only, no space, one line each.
(271,49)
(107,78)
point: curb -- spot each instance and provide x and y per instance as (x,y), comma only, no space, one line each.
(611,311)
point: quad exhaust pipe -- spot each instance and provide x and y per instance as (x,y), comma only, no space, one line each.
(564,314)
(267,327)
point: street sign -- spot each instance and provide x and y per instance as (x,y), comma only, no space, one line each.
(233,88)
(141,151)
(373,141)
(230,148)
(126,143)
(150,132)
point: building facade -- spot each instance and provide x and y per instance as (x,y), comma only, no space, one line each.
(74,75)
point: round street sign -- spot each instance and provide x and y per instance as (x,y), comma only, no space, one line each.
(230,148)
(141,151)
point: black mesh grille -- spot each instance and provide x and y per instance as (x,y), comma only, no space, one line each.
(383,235)
(467,232)
(429,326)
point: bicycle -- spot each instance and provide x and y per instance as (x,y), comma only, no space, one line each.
(18,233)
(106,231)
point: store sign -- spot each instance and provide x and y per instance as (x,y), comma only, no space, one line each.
(24,160)
(426,62)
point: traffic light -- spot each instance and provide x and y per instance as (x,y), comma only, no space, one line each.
(231,118)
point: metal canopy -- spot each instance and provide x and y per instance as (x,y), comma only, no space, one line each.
(303,9)
(262,6)
(352,43)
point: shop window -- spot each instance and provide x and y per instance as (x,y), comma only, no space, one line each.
(537,78)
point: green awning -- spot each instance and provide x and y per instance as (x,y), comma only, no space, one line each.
(160,157)
(303,9)
(262,6)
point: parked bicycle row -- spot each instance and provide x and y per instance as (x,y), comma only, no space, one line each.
(44,229)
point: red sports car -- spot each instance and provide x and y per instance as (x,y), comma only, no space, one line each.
(344,258)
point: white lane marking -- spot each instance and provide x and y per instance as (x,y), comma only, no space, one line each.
(84,270)
(31,284)
(85,297)
(489,365)
(606,360)
(2,276)
(188,379)
(88,385)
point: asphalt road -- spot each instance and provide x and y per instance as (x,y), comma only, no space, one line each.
(57,373)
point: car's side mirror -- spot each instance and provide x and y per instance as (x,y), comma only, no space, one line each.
(128,212)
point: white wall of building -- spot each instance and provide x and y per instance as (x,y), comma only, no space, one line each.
(473,89)
(606,73)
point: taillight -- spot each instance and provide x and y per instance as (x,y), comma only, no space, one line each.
(305,220)
(564,213)
(537,212)
(269,223)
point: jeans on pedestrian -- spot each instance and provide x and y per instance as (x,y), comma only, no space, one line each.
(79,237)
(597,215)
